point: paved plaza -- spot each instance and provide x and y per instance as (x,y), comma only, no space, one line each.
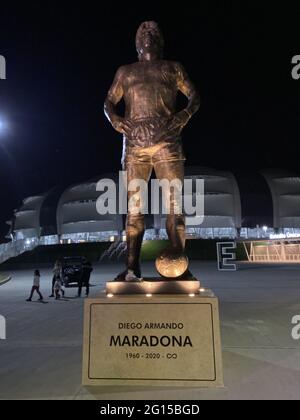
(41,357)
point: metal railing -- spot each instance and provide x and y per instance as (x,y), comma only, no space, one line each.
(283,252)
(116,249)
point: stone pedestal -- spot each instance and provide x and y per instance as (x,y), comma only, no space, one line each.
(153,286)
(171,340)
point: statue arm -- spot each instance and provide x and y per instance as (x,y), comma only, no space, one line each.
(114,96)
(188,89)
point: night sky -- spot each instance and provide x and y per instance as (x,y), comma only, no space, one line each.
(61,62)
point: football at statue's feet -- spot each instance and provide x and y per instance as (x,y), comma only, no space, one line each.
(171,264)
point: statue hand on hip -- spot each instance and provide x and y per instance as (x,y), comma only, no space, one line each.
(178,121)
(122,125)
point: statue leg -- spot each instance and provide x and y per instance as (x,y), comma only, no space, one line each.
(176,231)
(175,225)
(135,229)
(135,226)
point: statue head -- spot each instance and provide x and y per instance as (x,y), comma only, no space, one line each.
(149,40)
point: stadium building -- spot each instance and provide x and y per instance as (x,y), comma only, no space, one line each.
(261,209)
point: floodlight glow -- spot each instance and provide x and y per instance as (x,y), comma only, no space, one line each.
(3,125)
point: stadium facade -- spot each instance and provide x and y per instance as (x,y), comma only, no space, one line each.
(266,204)
(253,207)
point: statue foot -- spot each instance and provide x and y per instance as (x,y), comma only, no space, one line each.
(129,275)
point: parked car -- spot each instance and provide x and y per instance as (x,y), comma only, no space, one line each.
(72,270)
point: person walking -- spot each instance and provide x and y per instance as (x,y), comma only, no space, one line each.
(85,278)
(56,273)
(36,286)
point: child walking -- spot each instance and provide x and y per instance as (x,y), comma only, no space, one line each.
(36,286)
(58,288)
